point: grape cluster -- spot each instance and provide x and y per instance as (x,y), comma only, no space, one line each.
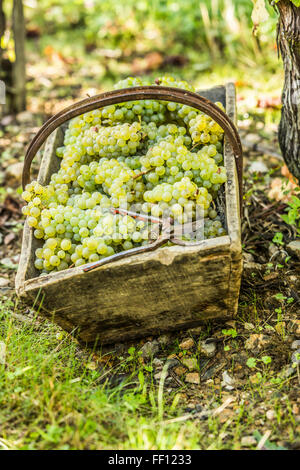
(157,158)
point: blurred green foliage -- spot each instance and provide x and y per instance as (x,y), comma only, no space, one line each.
(220,28)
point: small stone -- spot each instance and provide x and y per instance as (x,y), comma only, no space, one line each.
(225,415)
(157,376)
(190,362)
(272,249)
(190,408)
(168,380)
(171,356)
(149,349)
(172,362)
(164,340)
(231,324)
(296,357)
(4,282)
(256,341)
(25,117)
(157,363)
(228,381)
(241,358)
(295,344)
(248,257)
(251,270)
(196,331)
(249,326)
(187,343)
(193,378)
(295,409)
(253,138)
(207,349)
(7,120)
(248,441)
(293,248)
(179,370)
(270,414)
(13,173)
(295,327)
(212,371)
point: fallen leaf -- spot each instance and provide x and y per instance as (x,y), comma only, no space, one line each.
(9,238)
(271,276)
(187,343)
(286,172)
(281,191)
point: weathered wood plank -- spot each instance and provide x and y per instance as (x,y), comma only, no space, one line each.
(233,209)
(163,289)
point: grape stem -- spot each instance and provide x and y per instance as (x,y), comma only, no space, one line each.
(142,173)
(195,145)
(135,215)
(168,233)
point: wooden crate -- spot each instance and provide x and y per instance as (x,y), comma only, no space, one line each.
(171,288)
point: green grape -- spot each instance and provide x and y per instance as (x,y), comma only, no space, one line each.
(160,158)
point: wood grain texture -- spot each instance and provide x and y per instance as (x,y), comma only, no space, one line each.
(233,210)
(170,288)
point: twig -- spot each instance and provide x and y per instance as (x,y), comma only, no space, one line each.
(142,173)
(263,440)
(222,407)
(176,379)
(198,415)
(195,145)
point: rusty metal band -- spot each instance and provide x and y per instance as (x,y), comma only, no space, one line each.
(161,93)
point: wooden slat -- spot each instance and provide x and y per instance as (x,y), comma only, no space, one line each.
(154,291)
(233,209)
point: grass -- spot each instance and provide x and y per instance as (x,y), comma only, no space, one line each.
(55,394)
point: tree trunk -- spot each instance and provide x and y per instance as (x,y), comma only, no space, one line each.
(288,39)
(19,79)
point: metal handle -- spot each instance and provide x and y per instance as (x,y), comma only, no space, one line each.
(161,93)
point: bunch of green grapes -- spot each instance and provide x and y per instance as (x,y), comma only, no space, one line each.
(157,158)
